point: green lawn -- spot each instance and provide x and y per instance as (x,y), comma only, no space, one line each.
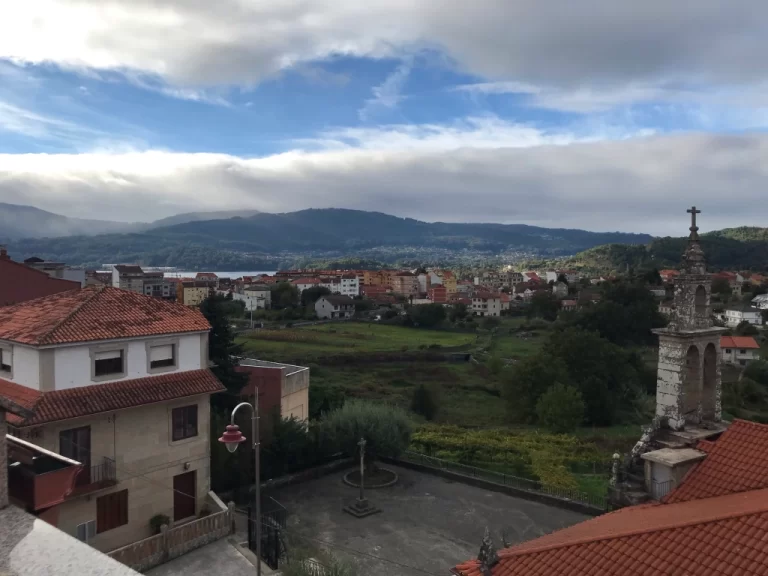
(312,343)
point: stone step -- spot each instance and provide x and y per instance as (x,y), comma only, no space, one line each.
(672,444)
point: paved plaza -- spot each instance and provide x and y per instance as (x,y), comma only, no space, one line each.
(427,521)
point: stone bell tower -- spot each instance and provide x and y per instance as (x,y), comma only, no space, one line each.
(688,385)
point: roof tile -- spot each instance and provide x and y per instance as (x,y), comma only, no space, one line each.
(96,313)
(88,400)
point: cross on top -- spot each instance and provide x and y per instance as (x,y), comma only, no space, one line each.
(692,211)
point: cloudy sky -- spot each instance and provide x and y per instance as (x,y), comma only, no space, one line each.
(596,114)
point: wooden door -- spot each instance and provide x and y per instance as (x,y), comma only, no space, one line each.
(184,488)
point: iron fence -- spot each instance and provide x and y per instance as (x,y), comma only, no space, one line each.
(516,482)
(273,521)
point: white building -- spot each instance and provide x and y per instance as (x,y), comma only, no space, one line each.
(304,283)
(760,301)
(334,306)
(739,350)
(486,304)
(738,314)
(119,382)
(350,285)
(423,283)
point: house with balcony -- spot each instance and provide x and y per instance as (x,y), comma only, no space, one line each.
(735,315)
(739,350)
(118,382)
(334,306)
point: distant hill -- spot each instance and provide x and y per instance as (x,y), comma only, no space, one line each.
(20,221)
(744,248)
(326,232)
(198,216)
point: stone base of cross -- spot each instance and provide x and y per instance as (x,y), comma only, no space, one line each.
(362,508)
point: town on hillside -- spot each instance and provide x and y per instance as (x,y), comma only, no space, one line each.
(520,421)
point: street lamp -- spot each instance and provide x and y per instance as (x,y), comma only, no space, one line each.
(232,438)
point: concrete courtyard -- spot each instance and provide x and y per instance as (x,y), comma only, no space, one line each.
(427,522)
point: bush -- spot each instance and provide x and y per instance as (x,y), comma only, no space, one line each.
(757,370)
(561,408)
(425,401)
(495,365)
(386,429)
(746,329)
(157,521)
(489,323)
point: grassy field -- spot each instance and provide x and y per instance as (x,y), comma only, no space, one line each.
(314,342)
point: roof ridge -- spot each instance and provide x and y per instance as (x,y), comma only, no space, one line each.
(95,289)
(714,517)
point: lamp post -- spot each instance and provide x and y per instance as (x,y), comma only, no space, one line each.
(232,438)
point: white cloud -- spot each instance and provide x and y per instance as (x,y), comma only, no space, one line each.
(388,94)
(29,123)
(555,42)
(640,184)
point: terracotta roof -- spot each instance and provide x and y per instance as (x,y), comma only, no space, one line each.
(97,398)
(95,313)
(20,283)
(716,536)
(210,275)
(736,462)
(739,342)
(306,280)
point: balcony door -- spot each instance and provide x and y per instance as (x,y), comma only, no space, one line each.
(76,444)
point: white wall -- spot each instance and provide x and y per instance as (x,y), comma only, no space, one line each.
(73,363)
(26,366)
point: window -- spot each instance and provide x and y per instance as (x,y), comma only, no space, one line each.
(184,422)
(162,356)
(111,511)
(727,350)
(86,531)
(6,362)
(742,351)
(108,363)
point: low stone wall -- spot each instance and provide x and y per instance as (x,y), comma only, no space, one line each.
(173,542)
(551,500)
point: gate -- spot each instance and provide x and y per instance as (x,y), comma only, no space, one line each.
(273,518)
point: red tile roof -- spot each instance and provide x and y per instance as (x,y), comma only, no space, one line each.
(209,275)
(97,398)
(715,523)
(739,342)
(306,280)
(717,536)
(96,313)
(736,462)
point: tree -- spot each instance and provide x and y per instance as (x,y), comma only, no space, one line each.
(284,295)
(757,370)
(721,286)
(490,322)
(495,365)
(424,401)
(603,372)
(562,278)
(223,353)
(746,329)
(561,408)
(652,277)
(386,429)
(543,305)
(527,381)
(426,315)
(313,294)
(458,312)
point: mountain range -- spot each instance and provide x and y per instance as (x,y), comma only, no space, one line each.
(217,240)
(20,221)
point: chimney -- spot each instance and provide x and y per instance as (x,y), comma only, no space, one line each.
(3,253)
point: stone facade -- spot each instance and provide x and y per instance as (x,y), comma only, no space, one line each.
(688,385)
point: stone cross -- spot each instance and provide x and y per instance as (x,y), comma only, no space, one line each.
(362,444)
(692,211)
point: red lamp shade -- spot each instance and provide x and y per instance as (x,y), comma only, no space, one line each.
(232,437)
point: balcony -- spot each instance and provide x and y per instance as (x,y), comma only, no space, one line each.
(94,478)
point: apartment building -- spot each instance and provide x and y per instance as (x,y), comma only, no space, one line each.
(486,304)
(128,277)
(57,270)
(445,278)
(405,283)
(118,382)
(192,292)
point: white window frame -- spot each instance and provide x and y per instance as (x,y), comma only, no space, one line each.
(122,348)
(163,342)
(89,531)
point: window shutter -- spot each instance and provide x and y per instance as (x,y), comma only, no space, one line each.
(164,352)
(108,355)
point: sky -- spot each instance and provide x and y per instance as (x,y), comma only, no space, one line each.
(596,114)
